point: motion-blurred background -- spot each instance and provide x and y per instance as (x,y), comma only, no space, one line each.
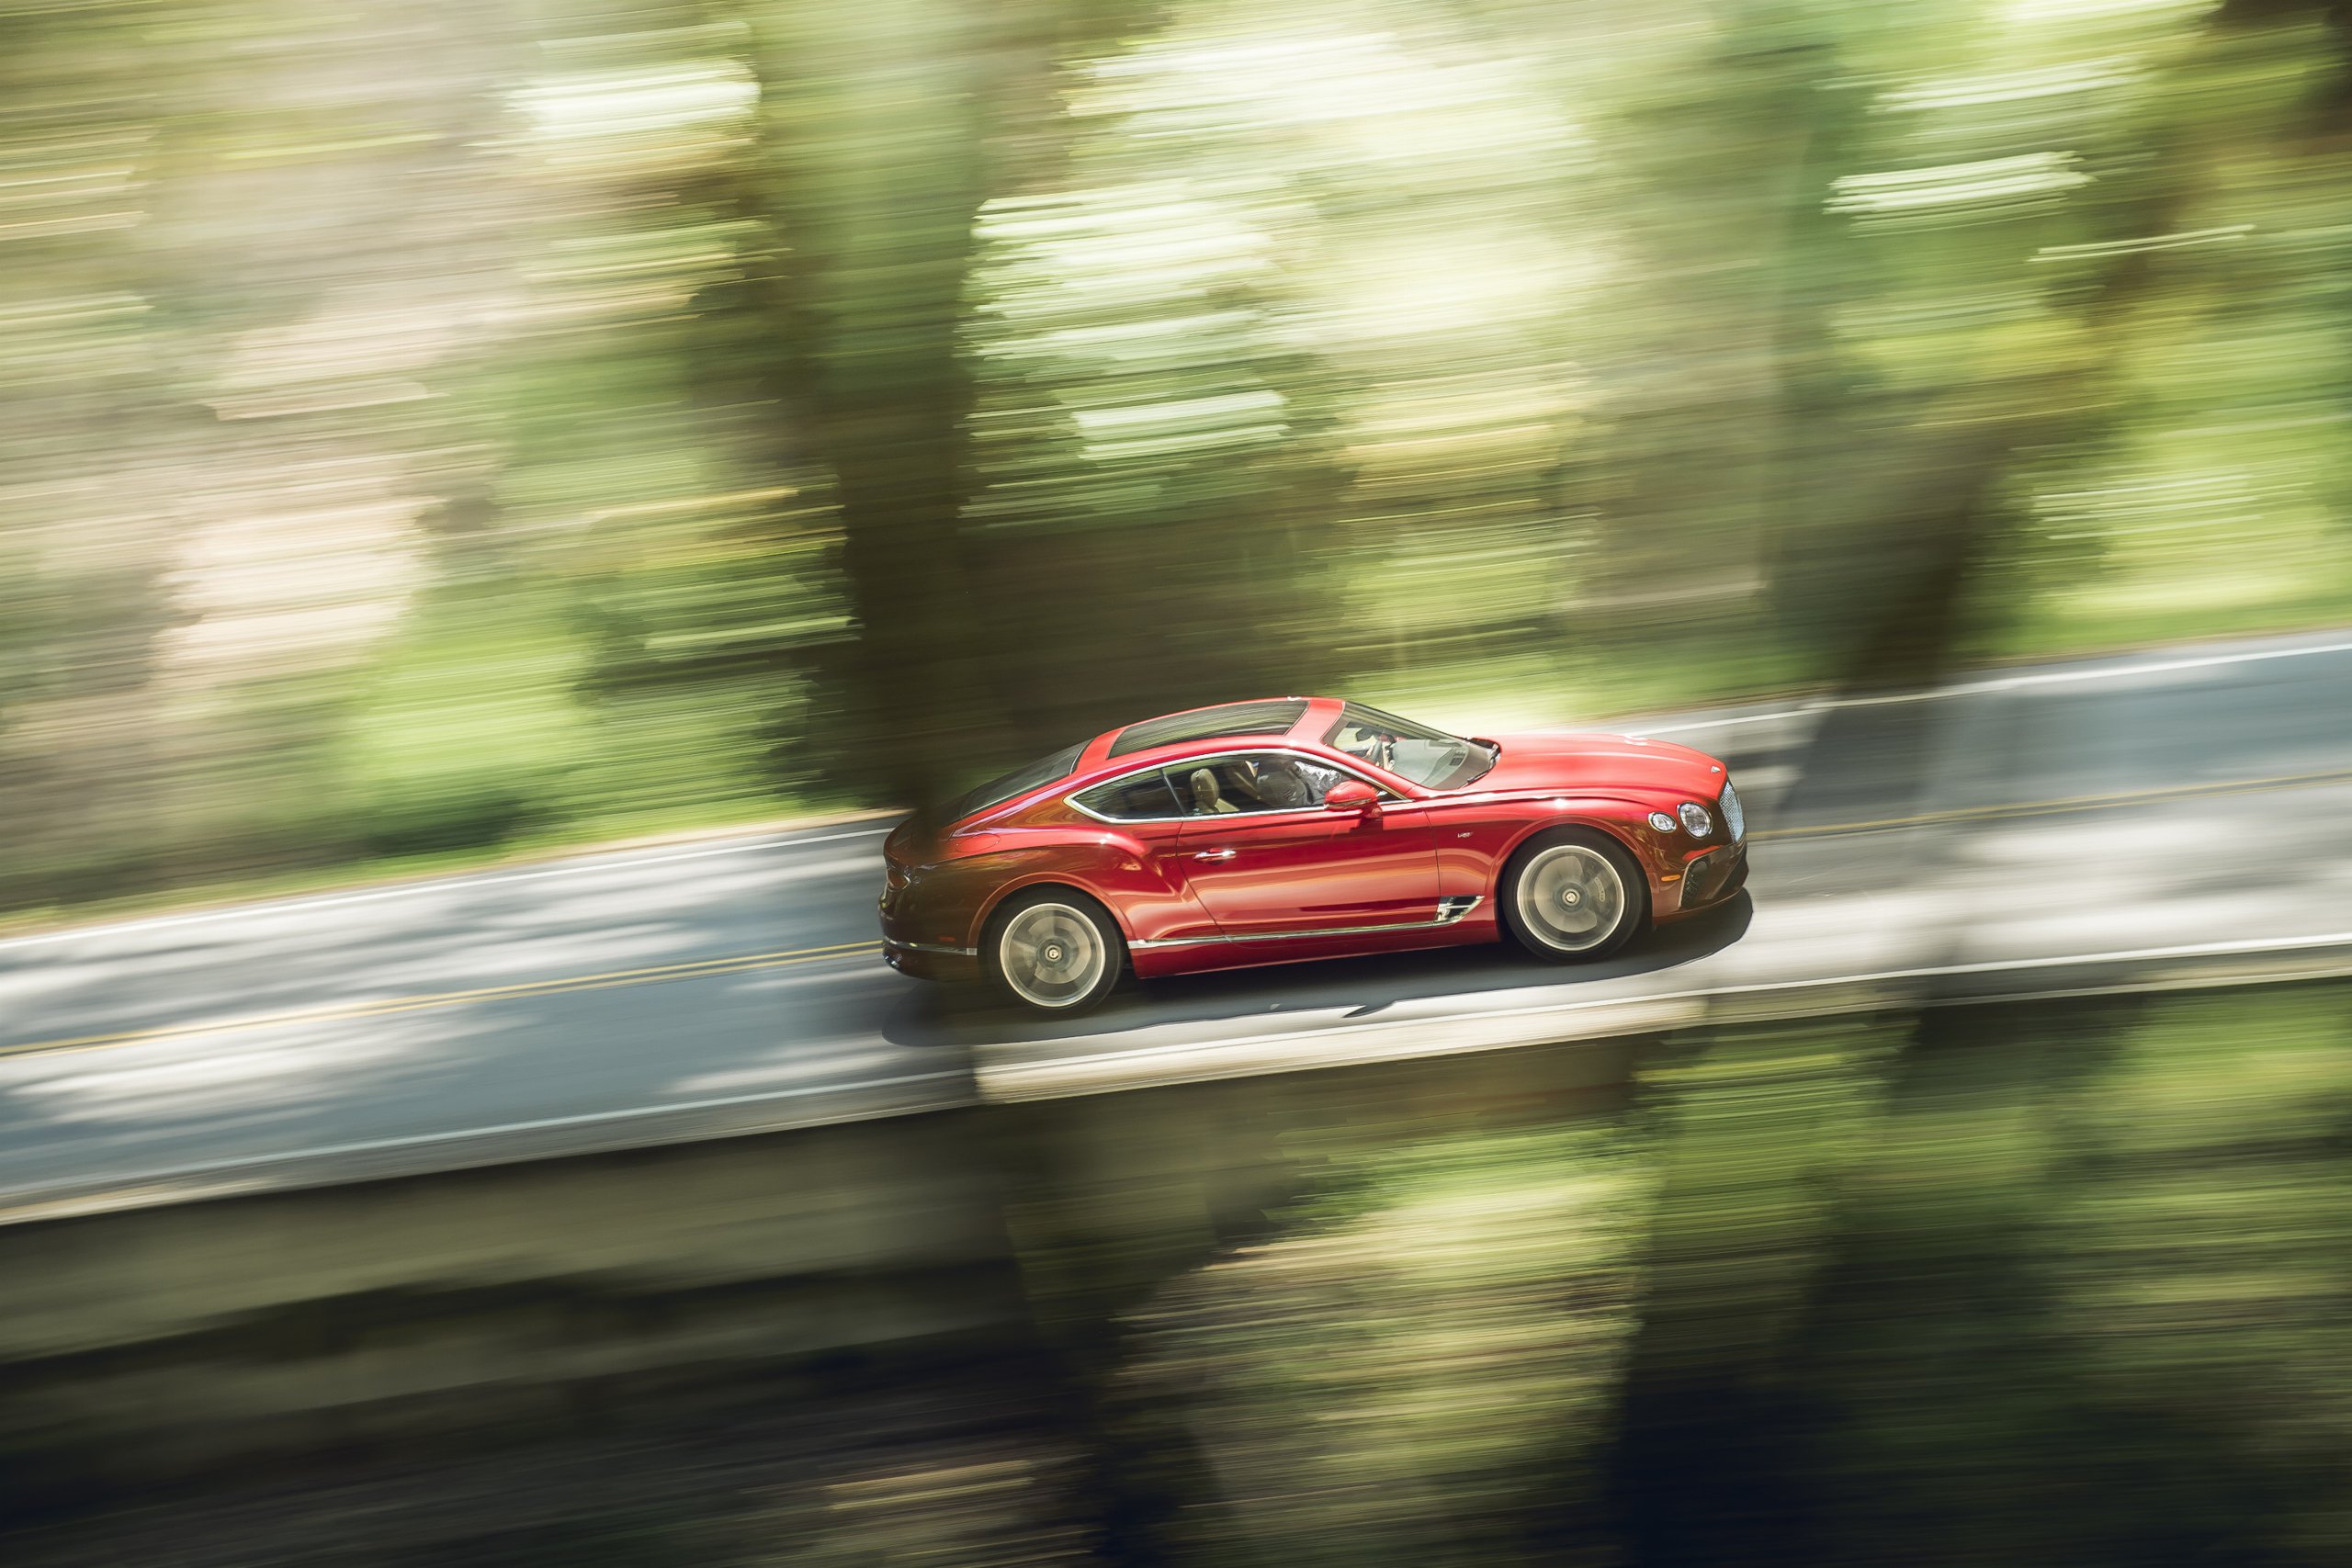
(438,428)
(439,431)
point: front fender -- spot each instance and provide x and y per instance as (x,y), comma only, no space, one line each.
(1624,818)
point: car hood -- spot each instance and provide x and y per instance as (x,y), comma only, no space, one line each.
(1601,761)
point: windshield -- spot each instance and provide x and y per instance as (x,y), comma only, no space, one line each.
(996,791)
(1431,758)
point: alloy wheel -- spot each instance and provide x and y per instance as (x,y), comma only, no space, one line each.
(1052,955)
(1571,898)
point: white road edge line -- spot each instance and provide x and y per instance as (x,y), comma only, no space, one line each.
(15,1198)
(1704,993)
(1999,683)
(418,1139)
(411,889)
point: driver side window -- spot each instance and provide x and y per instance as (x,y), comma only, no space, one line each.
(1273,781)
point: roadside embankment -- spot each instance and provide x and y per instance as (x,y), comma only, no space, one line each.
(149,1346)
(1093,1311)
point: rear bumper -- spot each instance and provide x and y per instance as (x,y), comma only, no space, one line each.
(926,962)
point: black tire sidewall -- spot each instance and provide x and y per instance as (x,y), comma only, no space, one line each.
(1638,886)
(1105,928)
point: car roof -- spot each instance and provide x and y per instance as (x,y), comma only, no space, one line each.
(1259,720)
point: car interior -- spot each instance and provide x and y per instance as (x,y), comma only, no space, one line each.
(1226,786)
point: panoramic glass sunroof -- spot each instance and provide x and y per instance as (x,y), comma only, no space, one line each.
(1233,718)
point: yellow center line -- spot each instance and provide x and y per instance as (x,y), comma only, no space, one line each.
(693,970)
(2070,802)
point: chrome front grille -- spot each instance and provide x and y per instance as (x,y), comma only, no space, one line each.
(1733,816)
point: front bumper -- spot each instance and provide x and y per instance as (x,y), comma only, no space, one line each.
(1713,877)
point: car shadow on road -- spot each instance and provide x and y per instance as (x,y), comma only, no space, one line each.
(1362,988)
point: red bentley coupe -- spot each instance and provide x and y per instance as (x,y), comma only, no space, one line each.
(1263,832)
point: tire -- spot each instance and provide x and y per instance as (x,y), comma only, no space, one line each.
(1053,949)
(1573,896)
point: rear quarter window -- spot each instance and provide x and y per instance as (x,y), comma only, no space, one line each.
(996,791)
(1145,796)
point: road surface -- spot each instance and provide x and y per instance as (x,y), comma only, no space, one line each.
(2050,827)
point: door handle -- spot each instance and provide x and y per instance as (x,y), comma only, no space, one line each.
(1214,854)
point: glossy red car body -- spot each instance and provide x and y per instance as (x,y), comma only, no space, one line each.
(1198,892)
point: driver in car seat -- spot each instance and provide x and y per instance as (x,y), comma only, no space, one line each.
(1279,788)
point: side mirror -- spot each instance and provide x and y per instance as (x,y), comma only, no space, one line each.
(1352,794)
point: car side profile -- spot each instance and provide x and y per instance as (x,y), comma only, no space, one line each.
(1302,827)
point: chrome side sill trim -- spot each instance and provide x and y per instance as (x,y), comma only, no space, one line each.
(931,947)
(1450,911)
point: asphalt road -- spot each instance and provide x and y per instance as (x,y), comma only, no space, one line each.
(2146,810)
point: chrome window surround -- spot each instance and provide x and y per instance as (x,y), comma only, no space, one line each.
(1449,911)
(1387,793)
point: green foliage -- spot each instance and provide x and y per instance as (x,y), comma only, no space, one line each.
(852,396)
(1436,1338)
(2056,1283)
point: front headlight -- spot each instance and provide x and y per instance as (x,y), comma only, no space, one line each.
(1695,820)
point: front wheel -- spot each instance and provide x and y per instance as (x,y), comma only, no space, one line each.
(1572,895)
(1054,949)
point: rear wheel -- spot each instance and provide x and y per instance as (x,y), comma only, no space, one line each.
(1573,894)
(1054,949)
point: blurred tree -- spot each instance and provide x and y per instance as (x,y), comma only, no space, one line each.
(1757,1130)
(2198,1273)
(1152,484)
(874,135)
(1425,1352)
(87,405)
(1022,495)
(841,398)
